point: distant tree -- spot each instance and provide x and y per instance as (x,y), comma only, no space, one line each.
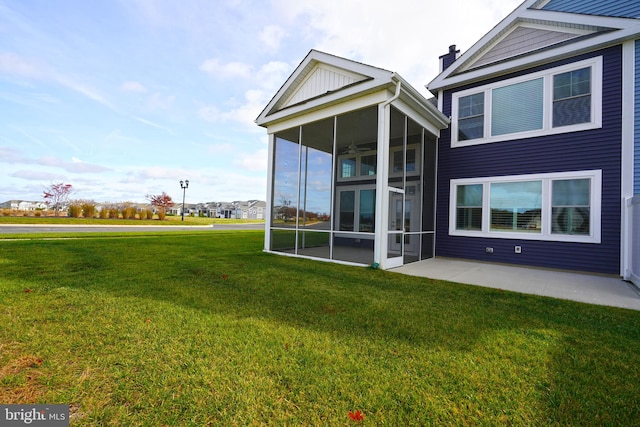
(161,202)
(57,194)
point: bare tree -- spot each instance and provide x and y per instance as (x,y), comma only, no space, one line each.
(57,194)
(161,202)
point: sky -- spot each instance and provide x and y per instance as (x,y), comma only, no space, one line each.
(125,98)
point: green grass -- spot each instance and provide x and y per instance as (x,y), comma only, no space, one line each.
(206,329)
(169,220)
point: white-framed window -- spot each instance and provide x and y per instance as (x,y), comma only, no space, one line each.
(558,100)
(410,160)
(356,208)
(355,166)
(556,206)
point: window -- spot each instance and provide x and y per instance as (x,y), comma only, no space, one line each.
(347,210)
(469,207)
(560,207)
(367,214)
(516,206)
(471,117)
(368,165)
(572,97)
(357,209)
(348,167)
(571,207)
(562,99)
(409,161)
(517,108)
(356,166)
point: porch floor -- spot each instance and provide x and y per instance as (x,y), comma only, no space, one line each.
(582,287)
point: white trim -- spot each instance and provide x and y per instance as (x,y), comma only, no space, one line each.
(596,206)
(382,198)
(627,152)
(624,28)
(268,212)
(547,129)
(289,118)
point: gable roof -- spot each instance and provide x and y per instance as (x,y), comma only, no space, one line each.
(619,8)
(322,78)
(539,31)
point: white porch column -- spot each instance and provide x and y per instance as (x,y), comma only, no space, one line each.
(269,207)
(382,195)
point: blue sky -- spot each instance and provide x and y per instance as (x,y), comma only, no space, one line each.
(124,98)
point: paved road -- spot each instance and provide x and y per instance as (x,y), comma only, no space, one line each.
(67,228)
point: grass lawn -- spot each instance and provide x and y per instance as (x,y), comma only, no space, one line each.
(206,329)
(169,220)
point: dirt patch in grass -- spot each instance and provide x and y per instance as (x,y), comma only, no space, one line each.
(19,380)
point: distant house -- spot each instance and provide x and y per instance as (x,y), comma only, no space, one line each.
(532,156)
(23,205)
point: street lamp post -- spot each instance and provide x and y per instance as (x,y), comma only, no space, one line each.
(184,185)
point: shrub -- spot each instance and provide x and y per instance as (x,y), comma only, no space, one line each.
(104,213)
(37,213)
(142,214)
(89,209)
(75,210)
(149,214)
(161,214)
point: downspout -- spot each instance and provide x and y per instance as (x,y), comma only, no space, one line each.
(382,198)
(397,94)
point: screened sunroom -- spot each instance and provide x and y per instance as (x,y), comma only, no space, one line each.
(352,156)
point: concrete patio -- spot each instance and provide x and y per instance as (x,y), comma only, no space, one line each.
(582,287)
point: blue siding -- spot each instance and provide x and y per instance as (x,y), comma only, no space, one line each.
(617,8)
(591,149)
(636,130)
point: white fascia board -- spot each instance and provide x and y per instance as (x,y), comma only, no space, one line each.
(433,126)
(339,99)
(417,102)
(378,76)
(624,28)
(436,83)
(324,111)
(528,61)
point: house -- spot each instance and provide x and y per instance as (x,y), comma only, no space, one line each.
(250,209)
(23,205)
(351,175)
(532,156)
(537,167)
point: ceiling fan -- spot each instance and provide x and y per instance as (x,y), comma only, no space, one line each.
(354,149)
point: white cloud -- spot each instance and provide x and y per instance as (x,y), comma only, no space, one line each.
(210,113)
(132,86)
(271,36)
(271,77)
(162,102)
(75,166)
(407,37)
(32,175)
(220,148)
(253,162)
(227,70)
(20,66)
